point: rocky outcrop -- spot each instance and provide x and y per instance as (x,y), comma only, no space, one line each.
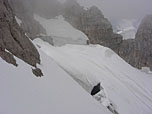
(138,52)
(126,50)
(37,72)
(93,23)
(13,40)
(24,10)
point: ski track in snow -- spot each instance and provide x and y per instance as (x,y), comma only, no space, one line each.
(56,93)
(100,64)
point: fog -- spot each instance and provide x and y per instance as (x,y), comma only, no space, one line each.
(121,9)
(117,9)
(114,10)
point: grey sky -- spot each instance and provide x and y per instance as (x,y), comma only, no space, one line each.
(116,10)
(119,9)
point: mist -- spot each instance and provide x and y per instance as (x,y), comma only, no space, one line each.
(121,9)
(114,10)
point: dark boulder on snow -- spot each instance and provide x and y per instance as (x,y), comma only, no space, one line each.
(95,89)
(37,72)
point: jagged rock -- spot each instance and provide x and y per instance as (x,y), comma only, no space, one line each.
(23,9)
(37,72)
(144,43)
(9,58)
(138,52)
(93,23)
(13,39)
(126,50)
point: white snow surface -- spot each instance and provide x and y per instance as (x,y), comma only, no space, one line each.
(126,28)
(127,88)
(146,70)
(56,93)
(61,31)
(18,21)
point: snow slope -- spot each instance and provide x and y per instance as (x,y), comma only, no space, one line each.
(56,93)
(127,88)
(61,31)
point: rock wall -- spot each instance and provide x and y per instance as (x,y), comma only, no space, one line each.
(24,10)
(13,40)
(93,23)
(138,52)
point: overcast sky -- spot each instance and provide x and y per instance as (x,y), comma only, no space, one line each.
(119,9)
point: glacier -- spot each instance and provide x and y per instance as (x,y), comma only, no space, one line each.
(127,88)
(61,31)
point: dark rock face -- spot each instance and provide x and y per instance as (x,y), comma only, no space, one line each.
(96,89)
(126,50)
(138,52)
(13,40)
(93,23)
(23,9)
(7,57)
(144,43)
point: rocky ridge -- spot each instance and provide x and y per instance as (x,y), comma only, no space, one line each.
(138,52)
(13,41)
(93,23)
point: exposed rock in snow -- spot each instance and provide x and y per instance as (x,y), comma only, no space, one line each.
(37,72)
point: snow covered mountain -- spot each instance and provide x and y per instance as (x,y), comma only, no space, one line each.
(77,78)
(21,92)
(124,89)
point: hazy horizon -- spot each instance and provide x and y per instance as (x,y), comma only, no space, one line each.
(117,9)
(121,9)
